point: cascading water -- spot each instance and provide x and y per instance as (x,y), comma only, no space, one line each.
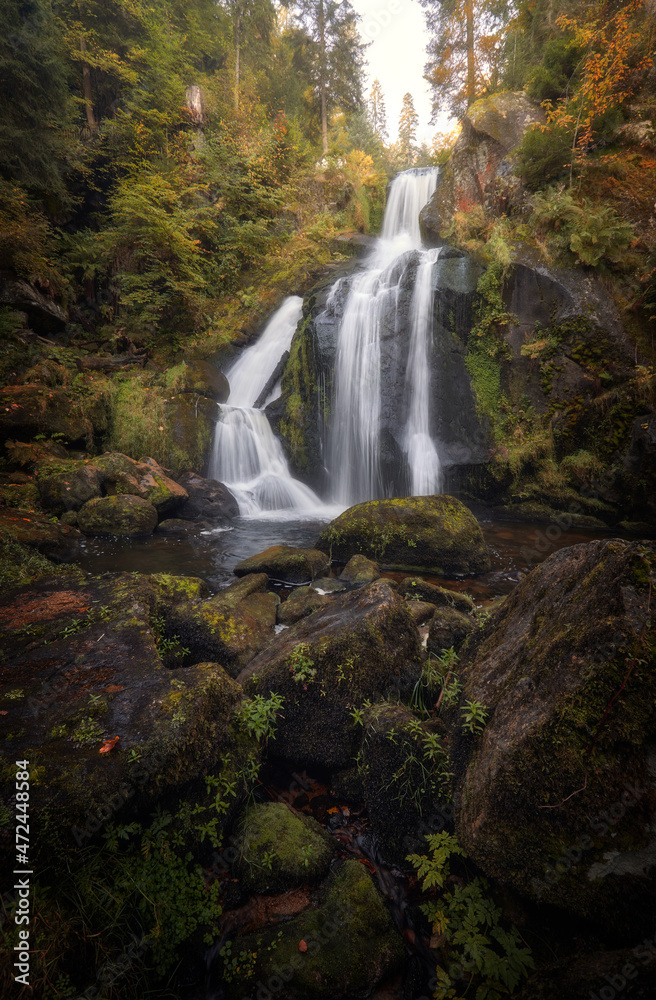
(354,443)
(246,455)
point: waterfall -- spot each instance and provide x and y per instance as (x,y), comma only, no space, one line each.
(354,443)
(246,455)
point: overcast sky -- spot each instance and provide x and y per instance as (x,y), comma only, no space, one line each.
(397,55)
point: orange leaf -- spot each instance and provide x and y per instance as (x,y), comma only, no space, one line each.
(302,946)
(109,745)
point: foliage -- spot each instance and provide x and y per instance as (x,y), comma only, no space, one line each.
(477,950)
(301,667)
(258,715)
(408,122)
(474,716)
(378,111)
(20,565)
(595,234)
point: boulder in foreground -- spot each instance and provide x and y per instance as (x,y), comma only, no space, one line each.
(437,534)
(286,563)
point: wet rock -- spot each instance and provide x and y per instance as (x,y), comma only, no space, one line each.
(279,849)
(435,533)
(359,571)
(36,531)
(414,588)
(208,500)
(286,563)
(44,313)
(328,585)
(84,668)
(122,515)
(448,628)
(351,945)
(231,627)
(362,645)
(558,794)
(177,526)
(204,379)
(405,773)
(420,611)
(67,486)
(190,422)
(145,479)
(303,602)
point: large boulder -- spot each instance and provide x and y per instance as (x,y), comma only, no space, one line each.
(557,797)
(280,849)
(449,628)
(286,563)
(362,645)
(39,532)
(230,627)
(208,500)
(81,667)
(122,515)
(359,571)
(28,410)
(350,945)
(436,533)
(479,171)
(68,485)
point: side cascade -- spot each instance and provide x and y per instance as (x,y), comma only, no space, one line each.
(246,454)
(354,444)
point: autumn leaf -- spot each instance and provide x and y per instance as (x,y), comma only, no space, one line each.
(302,946)
(108,745)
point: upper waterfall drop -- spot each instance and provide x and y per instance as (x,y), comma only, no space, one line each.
(354,447)
(246,455)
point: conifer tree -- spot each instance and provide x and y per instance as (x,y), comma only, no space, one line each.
(377,111)
(408,122)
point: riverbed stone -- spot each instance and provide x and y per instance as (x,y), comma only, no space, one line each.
(280,849)
(286,563)
(436,533)
(362,645)
(231,627)
(449,628)
(209,500)
(414,588)
(566,668)
(351,945)
(359,571)
(303,602)
(122,515)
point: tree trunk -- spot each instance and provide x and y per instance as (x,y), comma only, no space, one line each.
(322,77)
(471,70)
(86,87)
(237,54)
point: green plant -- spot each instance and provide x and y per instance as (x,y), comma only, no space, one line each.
(258,715)
(301,667)
(478,951)
(474,717)
(594,233)
(14,694)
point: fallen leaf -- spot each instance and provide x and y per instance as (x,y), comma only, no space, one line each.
(302,946)
(109,745)
(114,688)
(4,713)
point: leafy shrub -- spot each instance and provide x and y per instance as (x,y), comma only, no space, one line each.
(543,155)
(595,234)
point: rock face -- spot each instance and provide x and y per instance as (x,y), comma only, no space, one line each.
(435,533)
(203,379)
(122,515)
(302,414)
(557,797)
(362,645)
(303,602)
(81,666)
(286,563)
(27,410)
(479,171)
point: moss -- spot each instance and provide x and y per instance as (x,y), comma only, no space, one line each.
(280,849)
(299,387)
(21,565)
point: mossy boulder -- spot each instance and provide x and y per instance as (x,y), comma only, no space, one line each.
(279,849)
(405,774)
(303,602)
(435,533)
(414,588)
(359,571)
(145,479)
(27,410)
(558,794)
(203,379)
(122,515)
(351,945)
(230,627)
(81,667)
(39,532)
(67,486)
(362,645)
(286,563)
(421,611)
(449,628)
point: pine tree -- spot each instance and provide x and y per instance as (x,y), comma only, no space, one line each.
(377,111)
(408,122)
(339,56)
(465,50)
